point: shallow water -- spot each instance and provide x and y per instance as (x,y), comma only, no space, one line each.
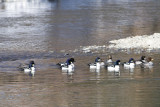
(45,31)
(50,86)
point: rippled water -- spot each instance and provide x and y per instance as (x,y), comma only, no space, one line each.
(65,25)
(52,87)
(46,30)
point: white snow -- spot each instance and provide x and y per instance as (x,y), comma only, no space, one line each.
(88,49)
(137,42)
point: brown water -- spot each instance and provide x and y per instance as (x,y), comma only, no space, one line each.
(45,30)
(53,88)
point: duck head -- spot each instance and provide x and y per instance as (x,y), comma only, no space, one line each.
(149,59)
(109,57)
(70,60)
(143,57)
(131,60)
(118,62)
(31,64)
(98,59)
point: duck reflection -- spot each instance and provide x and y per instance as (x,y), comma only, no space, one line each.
(131,70)
(97,74)
(117,74)
(68,72)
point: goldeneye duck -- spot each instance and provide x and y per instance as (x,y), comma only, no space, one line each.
(141,61)
(97,64)
(130,63)
(28,68)
(68,65)
(99,60)
(149,62)
(114,67)
(109,60)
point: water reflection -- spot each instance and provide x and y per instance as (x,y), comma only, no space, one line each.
(117,73)
(54,0)
(130,69)
(19,8)
(97,74)
(68,72)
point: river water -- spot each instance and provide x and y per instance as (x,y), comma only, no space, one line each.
(45,30)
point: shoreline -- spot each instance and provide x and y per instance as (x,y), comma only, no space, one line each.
(134,45)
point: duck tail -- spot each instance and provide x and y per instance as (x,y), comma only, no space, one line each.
(89,64)
(58,64)
(21,67)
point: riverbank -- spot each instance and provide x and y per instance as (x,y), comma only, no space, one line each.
(138,44)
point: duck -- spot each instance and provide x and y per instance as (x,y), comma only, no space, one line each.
(97,64)
(68,65)
(109,60)
(130,63)
(99,60)
(141,61)
(114,67)
(28,68)
(149,62)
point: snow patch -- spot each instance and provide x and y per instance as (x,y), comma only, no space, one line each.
(134,44)
(137,42)
(88,49)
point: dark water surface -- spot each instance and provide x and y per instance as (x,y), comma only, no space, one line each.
(45,30)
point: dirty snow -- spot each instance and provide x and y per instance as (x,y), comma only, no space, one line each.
(137,42)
